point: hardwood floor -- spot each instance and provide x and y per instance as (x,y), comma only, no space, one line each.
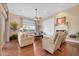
(12,49)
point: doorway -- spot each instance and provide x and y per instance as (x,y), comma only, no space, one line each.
(2,30)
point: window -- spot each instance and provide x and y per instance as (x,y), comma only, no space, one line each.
(29,25)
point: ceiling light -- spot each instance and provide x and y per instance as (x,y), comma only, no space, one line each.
(36,17)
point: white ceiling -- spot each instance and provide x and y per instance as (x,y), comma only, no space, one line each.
(44,9)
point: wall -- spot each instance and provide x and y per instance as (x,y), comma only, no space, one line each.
(14,18)
(72,16)
(4,12)
(8,27)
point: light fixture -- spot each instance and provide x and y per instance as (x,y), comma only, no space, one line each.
(36,16)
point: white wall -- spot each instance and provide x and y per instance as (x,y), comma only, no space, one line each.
(48,26)
(14,18)
(74,27)
(72,16)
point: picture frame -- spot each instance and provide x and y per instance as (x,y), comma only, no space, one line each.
(60,21)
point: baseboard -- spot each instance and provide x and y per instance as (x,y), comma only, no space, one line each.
(73,40)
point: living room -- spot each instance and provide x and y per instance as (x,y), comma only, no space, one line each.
(28,25)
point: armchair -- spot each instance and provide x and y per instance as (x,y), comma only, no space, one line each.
(25,38)
(51,44)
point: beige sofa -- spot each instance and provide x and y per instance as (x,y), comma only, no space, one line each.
(51,44)
(25,39)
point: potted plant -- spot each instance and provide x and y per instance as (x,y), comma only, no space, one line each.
(14,27)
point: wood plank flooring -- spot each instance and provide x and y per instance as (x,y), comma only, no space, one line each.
(12,49)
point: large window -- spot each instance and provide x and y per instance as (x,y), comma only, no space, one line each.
(30,27)
(29,24)
(48,26)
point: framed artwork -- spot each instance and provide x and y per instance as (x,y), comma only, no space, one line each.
(60,21)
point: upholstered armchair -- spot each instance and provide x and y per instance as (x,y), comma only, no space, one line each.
(52,43)
(25,39)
